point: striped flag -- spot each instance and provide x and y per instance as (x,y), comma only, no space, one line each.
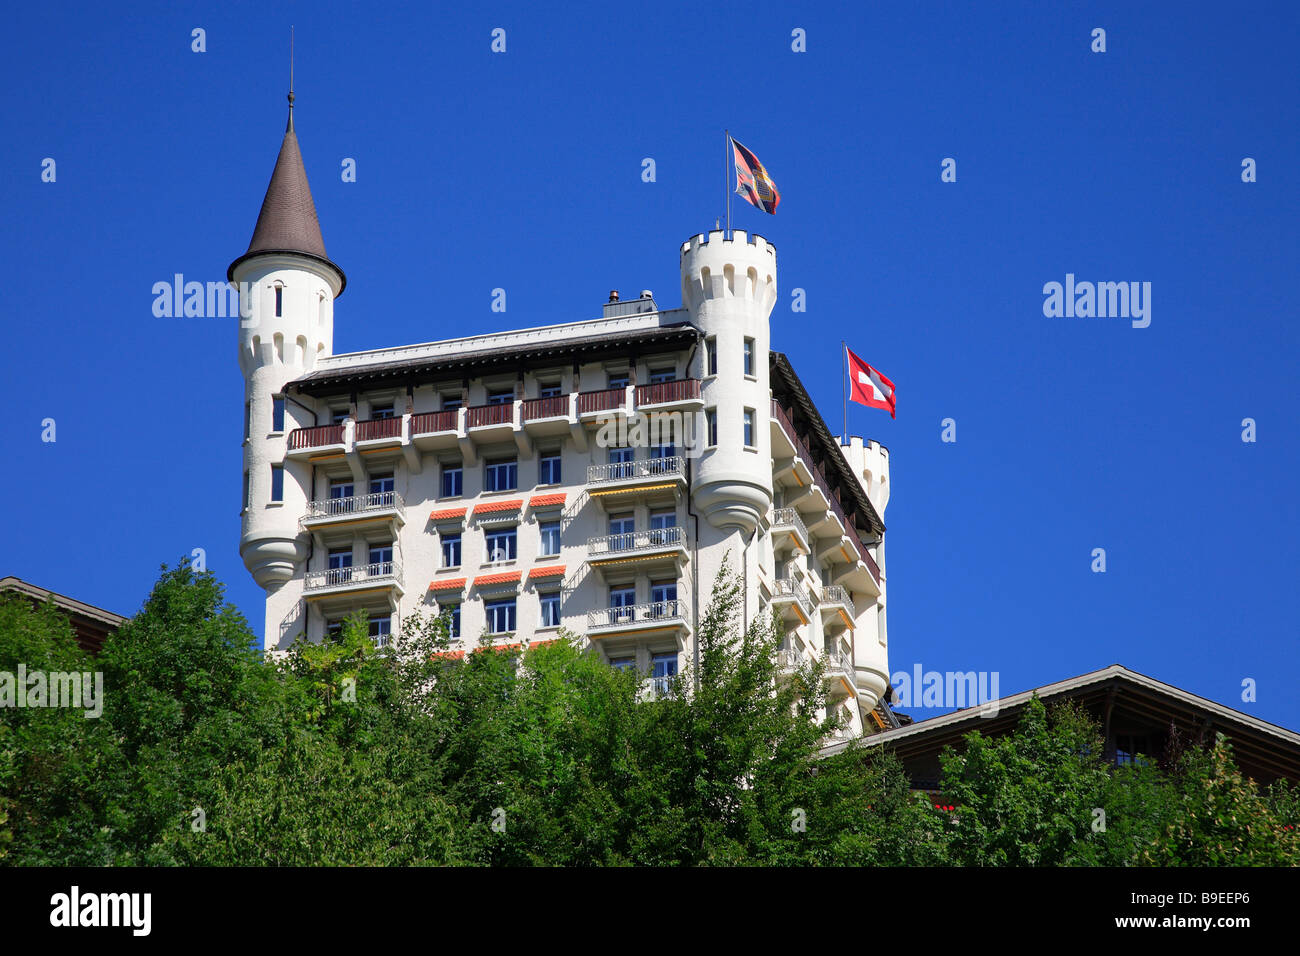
(753,182)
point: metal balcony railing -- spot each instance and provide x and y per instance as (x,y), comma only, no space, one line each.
(354,505)
(378,573)
(790,588)
(631,542)
(672,466)
(788,518)
(838,663)
(788,659)
(835,594)
(636,614)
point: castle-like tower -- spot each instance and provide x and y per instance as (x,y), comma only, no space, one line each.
(287,289)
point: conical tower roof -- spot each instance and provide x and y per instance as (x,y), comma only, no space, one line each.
(287,222)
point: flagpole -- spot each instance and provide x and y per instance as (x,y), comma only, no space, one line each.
(844,374)
(726,177)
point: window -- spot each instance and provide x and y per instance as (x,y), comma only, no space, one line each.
(663,591)
(620,460)
(663,668)
(501,545)
(277,483)
(660,523)
(337,415)
(550,602)
(277,414)
(501,396)
(619,379)
(548,470)
(334,629)
(451,613)
(660,375)
(248,419)
(550,535)
(661,456)
(382,555)
(621,527)
(749,428)
(381,411)
(340,499)
(711,420)
(548,390)
(451,550)
(623,663)
(380,630)
(340,566)
(382,487)
(622,598)
(451,402)
(452,483)
(500,616)
(247,501)
(501,475)
(711,355)
(279,301)
(749,356)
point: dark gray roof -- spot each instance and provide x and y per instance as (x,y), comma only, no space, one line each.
(421,370)
(287,222)
(787,389)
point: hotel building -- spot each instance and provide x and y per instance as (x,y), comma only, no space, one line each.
(591,476)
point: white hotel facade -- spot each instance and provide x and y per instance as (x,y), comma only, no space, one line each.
(484,477)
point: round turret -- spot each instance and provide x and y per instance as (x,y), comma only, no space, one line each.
(729,286)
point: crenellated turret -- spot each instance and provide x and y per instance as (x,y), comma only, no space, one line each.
(729,286)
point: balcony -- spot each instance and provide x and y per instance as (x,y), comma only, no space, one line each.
(650,474)
(379,429)
(602,402)
(786,522)
(316,439)
(379,506)
(383,575)
(839,673)
(790,596)
(668,543)
(836,602)
(788,661)
(656,615)
(680,395)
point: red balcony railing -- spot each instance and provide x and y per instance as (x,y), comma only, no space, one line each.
(379,428)
(477,415)
(661,393)
(315,437)
(426,423)
(557,406)
(604,400)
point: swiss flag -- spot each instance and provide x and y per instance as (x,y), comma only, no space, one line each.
(869,386)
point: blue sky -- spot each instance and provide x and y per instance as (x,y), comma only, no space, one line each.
(523,171)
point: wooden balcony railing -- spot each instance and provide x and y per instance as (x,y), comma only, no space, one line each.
(379,428)
(427,423)
(604,400)
(479,415)
(556,406)
(315,437)
(662,393)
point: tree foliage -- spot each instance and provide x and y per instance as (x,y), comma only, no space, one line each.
(209,753)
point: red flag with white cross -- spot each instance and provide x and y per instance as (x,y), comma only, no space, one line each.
(869,386)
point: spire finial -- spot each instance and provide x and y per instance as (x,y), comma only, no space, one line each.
(290,126)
